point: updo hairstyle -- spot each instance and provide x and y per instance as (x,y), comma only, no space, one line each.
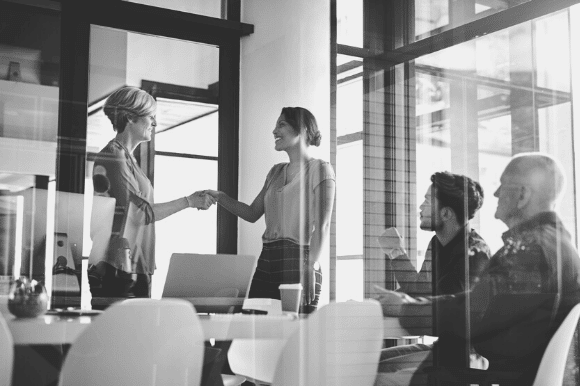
(301,119)
(128,103)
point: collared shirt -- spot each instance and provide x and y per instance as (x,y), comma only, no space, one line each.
(134,217)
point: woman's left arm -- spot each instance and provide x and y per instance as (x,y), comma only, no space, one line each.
(323,204)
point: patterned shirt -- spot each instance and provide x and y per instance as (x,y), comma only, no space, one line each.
(523,295)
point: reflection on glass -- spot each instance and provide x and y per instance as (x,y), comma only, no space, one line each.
(182,76)
(482,101)
(29,104)
(430,15)
(435,16)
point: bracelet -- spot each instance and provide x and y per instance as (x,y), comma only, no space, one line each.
(189,204)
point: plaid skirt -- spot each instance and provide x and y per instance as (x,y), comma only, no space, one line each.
(283,262)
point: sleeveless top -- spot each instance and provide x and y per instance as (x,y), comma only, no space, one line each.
(289,208)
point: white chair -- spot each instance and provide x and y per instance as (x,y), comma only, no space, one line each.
(553,364)
(138,342)
(336,345)
(551,369)
(6,353)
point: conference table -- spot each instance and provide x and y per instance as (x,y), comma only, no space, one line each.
(33,337)
(57,329)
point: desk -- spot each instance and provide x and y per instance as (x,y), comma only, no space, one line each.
(53,329)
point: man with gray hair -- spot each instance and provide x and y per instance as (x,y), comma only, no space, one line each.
(530,284)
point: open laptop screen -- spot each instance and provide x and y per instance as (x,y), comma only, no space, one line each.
(200,276)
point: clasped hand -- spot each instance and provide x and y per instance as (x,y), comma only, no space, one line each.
(200,200)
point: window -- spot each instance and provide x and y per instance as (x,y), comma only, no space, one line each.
(52,127)
(444,92)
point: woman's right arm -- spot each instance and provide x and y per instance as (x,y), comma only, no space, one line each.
(250,213)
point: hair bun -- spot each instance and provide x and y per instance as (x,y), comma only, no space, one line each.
(315,140)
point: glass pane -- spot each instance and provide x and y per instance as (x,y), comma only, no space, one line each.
(186,121)
(349,203)
(468,110)
(349,15)
(430,15)
(189,231)
(349,103)
(435,16)
(29,91)
(349,275)
(198,135)
(481,94)
(212,8)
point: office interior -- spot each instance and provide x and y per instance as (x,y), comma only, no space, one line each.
(400,89)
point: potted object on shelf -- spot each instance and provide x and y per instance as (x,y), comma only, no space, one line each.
(27,298)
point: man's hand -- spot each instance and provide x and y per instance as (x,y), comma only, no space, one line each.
(391,243)
(392,301)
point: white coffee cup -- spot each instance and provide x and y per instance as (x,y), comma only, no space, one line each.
(290,294)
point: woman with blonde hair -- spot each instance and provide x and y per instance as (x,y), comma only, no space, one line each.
(126,268)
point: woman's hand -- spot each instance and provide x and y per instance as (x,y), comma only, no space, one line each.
(200,200)
(214,193)
(310,284)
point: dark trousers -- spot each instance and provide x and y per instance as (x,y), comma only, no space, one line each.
(284,262)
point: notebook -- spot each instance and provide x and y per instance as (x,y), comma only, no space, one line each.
(212,283)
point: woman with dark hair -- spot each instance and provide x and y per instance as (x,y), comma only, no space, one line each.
(297,200)
(126,267)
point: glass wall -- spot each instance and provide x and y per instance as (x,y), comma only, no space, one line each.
(185,142)
(29,90)
(466,109)
(49,214)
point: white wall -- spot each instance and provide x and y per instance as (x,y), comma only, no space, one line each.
(285,62)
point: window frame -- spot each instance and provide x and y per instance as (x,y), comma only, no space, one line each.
(76,20)
(389,41)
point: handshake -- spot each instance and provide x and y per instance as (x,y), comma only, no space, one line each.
(202,199)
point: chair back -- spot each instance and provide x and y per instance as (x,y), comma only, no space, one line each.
(6,353)
(553,364)
(138,342)
(338,345)
(256,359)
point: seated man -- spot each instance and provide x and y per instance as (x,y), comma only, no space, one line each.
(456,255)
(529,286)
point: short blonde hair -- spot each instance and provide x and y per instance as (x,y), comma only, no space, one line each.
(127,103)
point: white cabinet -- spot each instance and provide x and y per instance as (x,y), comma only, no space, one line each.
(28,128)
(28,111)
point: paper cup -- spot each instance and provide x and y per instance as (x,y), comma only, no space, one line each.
(290,294)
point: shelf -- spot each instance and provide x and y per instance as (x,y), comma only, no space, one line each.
(29,111)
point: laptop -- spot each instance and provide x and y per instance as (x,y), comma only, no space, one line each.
(212,283)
